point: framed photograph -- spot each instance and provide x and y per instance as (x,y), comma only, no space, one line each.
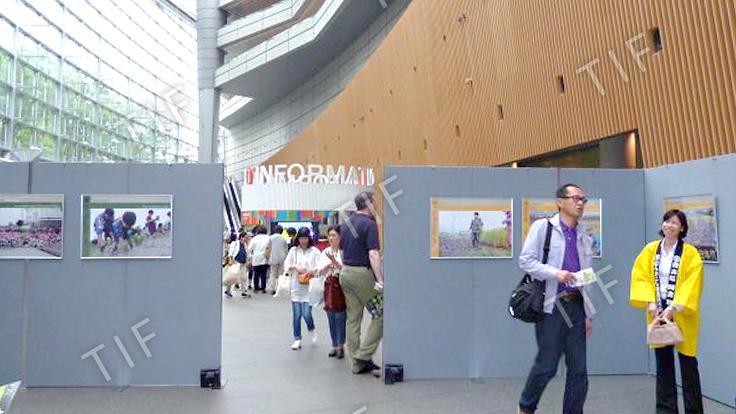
(702,221)
(127,226)
(533,209)
(31,226)
(471,228)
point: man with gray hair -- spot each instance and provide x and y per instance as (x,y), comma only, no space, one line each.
(361,280)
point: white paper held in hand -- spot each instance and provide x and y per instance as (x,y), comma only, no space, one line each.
(584,277)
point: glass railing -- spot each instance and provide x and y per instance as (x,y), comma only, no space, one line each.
(258,21)
(296,36)
(233,105)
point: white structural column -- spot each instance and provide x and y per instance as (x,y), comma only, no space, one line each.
(209,19)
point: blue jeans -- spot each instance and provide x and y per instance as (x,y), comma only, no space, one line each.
(301,310)
(554,338)
(337,327)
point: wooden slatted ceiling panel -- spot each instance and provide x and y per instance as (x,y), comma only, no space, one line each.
(430,93)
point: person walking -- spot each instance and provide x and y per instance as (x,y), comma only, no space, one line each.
(566,323)
(259,250)
(279,249)
(667,281)
(329,266)
(239,256)
(230,272)
(291,237)
(476,228)
(302,263)
(361,280)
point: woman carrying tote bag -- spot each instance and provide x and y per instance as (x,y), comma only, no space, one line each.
(667,281)
(329,265)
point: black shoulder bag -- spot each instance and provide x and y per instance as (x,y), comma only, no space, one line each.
(527,300)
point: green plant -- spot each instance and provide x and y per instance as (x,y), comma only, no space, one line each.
(495,238)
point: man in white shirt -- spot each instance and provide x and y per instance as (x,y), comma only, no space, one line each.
(279,249)
(260,250)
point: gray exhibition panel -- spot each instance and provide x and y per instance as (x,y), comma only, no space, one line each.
(13,179)
(716,349)
(618,344)
(74,305)
(447,318)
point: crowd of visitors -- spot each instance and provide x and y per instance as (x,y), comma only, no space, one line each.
(344,278)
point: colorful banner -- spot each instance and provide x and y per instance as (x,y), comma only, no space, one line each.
(702,221)
(471,228)
(252,218)
(533,209)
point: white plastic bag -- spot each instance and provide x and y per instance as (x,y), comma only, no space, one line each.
(283,289)
(316,290)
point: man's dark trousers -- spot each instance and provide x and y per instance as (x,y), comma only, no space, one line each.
(557,336)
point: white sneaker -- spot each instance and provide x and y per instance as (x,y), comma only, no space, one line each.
(296,345)
(313,335)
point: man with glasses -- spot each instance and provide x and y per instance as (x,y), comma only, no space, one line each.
(566,324)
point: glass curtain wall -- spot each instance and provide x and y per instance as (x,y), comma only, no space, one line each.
(98,80)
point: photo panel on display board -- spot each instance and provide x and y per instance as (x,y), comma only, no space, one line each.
(471,228)
(31,226)
(533,209)
(127,226)
(700,211)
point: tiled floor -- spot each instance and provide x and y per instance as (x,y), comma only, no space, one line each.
(263,375)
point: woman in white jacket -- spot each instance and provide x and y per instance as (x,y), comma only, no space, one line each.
(302,259)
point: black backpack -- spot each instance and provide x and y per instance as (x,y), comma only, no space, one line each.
(527,300)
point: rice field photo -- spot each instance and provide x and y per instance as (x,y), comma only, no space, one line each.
(471,228)
(533,209)
(700,211)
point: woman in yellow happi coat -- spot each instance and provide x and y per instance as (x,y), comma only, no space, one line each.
(676,298)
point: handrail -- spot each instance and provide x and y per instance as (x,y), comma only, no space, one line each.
(259,17)
(259,54)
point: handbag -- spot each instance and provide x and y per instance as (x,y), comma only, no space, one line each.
(663,332)
(527,299)
(303,278)
(334,296)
